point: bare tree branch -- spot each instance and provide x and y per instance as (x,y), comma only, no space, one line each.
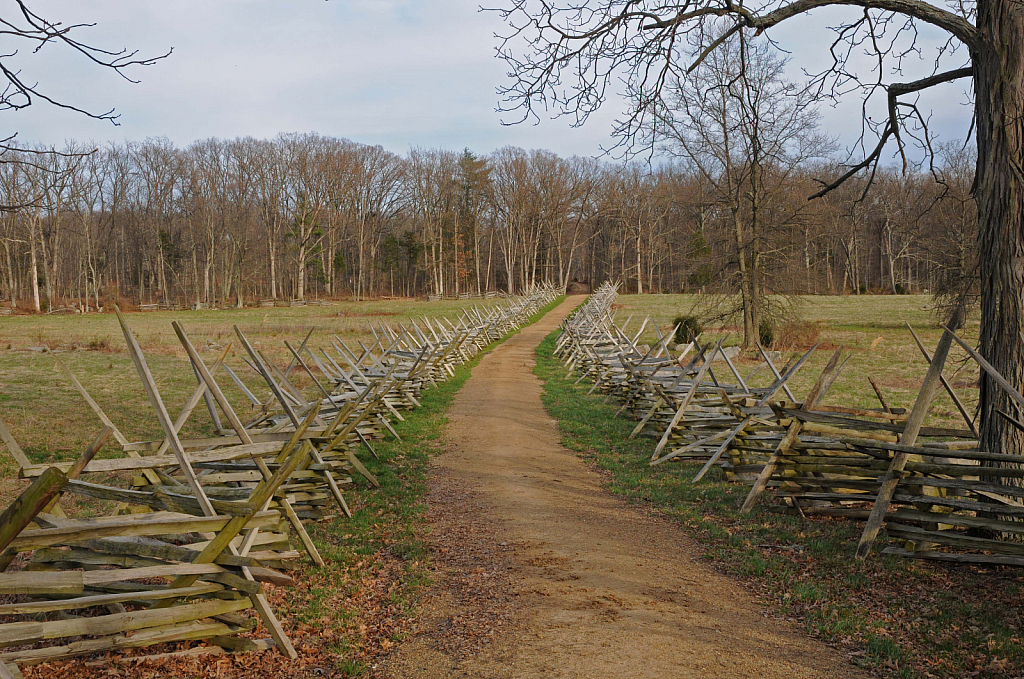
(40,32)
(893,124)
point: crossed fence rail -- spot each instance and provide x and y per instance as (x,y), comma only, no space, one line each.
(205,522)
(930,487)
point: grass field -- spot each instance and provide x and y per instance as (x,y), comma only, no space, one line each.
(51,421)
(871,327)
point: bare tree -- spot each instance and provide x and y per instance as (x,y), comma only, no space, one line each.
(13,187)
(263,162)
(433,191)
(474,178)
(307,198)
(24,26)
(746,130)
(371,202)
(953,246)
(900,204)
(87,186)
(575,49)
(580,182)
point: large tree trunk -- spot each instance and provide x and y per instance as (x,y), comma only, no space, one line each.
(12,289)
(750,329)
(999,190)
(476,255)
(47,270)
(33,269)
(639,263)
(273,269)
(300,274)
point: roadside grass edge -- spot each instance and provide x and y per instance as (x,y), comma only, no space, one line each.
(895,616)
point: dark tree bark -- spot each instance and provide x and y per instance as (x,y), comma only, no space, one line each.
(999,190)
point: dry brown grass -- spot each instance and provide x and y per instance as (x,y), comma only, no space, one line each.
(871,327)
(51,421)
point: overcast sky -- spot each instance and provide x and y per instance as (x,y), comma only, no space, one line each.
(392,72)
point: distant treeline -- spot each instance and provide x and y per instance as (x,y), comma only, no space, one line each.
(303,215)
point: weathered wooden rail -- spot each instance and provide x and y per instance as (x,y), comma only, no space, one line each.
(930,487)
(205,522)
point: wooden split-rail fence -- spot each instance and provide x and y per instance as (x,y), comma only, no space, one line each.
(931,488)
(205,522)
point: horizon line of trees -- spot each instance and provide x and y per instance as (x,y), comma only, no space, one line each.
(303,215)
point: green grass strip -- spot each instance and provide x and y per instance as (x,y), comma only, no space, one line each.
(902,617)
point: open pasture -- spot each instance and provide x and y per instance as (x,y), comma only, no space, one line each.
(872,327)
(51,421)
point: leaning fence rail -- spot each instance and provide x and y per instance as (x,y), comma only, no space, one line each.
(930,487)
(205,522)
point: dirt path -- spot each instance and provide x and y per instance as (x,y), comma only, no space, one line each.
(542,573)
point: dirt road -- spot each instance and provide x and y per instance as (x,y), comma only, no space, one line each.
(542,573)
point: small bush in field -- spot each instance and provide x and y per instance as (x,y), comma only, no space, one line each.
(800,334)
(689,328)
(766,333)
